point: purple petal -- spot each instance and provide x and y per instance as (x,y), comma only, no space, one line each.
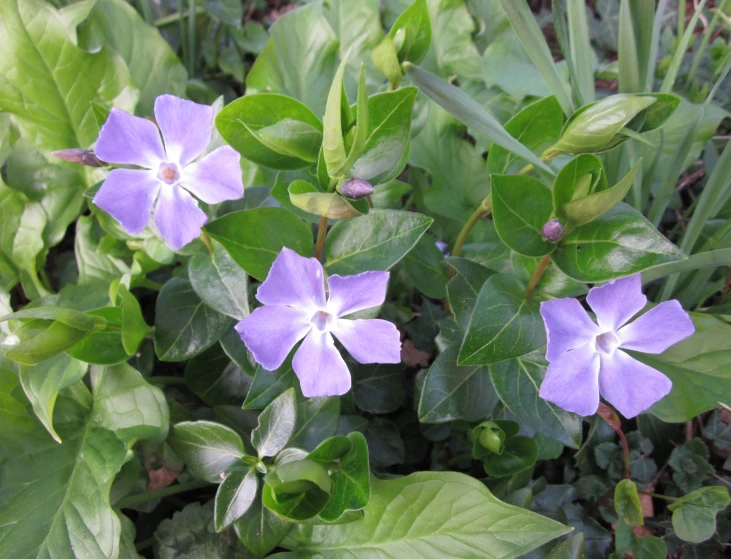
(370,341)
(320,367)
(568,326)
(177,216)
(572,381)
(349,294)
(127,195)
(216,177)
(657,329)
(631,386)
(271,332)
(294,280)
(129,140)
(186,127)
(617,301)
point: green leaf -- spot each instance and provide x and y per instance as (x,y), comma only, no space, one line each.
(585,210)
(690,465)
(580,177)
(385,58)
(453,392)
(134,327)
(464,288)
(297,490)
(64,488)
(378,388)
(254,238)
(453,51)
(413,512)
(257,126)
(517,382)
(44,381)
(39,340)
(260,529)
(209,449)
(305,40)
(386,147)
(51,99)
(268,385)
(426,267)
(276,425)
(93,265)
(333,146)
(116,24)
(126,404)
(219,282)
(215,379)
(412,30)
(306,197)
(694,515)
(519,454)
(317,419)
(375,241)
(618,243)
(69,317)
(521,206)
(184,325)
(629,66)
(627,503)
(235,495)
(503,325)
(359,135)
(226,11)
(699,369)
(537,127)
(102,347)
(649,547)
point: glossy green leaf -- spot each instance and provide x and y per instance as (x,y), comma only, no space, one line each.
(267,385)
(519,454)
(464,287)
(333,205)
(580,177)
(521,206)
(126,404)
(184,325)
(351,488)
(385,58)
(298,498)
(276,425)
(69,317)
(416,512)
(412,32)
(553,282)
(254,238)
(504,324)
(694,515)
(39,340)
(627,503)
(102,347)
(42,383)
(215,379)
(134,327)
(378,388)
(260,529)
(618,243)
(517,383)
(333,145)
(426,267)
(317,419)
(220,282)
(375,241)
(209,449)
(235,495)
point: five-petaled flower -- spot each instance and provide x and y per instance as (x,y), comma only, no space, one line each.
(296,307)
(169,173)
(587,359)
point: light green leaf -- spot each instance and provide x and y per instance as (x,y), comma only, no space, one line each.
(333,146)
(694,515)
(235,495)
(627,503)
(276,425)
(306,197)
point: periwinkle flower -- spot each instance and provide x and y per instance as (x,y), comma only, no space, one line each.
(296,307)
(552,230)
(587,359)
(169,173)
(78,155)
(356,188)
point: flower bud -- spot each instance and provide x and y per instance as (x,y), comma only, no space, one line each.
(356,188)
(491,441)
(552,230)
(78,155)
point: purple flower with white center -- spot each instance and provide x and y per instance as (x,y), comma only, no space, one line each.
(169,173)
(587,359)
(296,307)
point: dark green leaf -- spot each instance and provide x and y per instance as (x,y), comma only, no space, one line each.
(215,379)
(627,503)
(219,282)
(276,424)
(103,347)
(694,515)
(464,288)
(412,32)
(379,388)
(519,454)
(649,547)
(426,267)
(317,419)
(385,445)
(268,385)
(235,496)
(581,176)
(351,481)
(690,465)
(260,529)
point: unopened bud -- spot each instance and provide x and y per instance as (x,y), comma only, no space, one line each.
(552,230)
(80,156)
(356,188)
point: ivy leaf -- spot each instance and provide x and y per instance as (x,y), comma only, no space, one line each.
(276,424)
(417,508)
(220,282)
(694,515)
(235,496)
(690,465)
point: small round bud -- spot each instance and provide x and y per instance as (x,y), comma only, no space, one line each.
(491,441)
(552,230)
(78,155)
(356,188)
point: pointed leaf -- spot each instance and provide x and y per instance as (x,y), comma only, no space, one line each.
(276,424)
(235,495)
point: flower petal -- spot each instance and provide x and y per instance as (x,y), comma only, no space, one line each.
(177,216)
(617,301)
(320,367)
(572,381)
(216,177)
(349,294)
(370,341)
(129,140)
(127,195)
(568,326)
(270,333)
(657,329)
(294,280)
(185,125)
(631,386)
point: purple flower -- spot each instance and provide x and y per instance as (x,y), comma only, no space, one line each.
(296,307)
(586,359)
(169,174)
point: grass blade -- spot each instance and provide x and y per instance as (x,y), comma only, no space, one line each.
(676,61)
(721,257)
(655,45)
(562,35)
(643,12)
(581,48)
(629,68)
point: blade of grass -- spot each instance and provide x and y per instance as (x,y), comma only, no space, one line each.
(655,45)
(677,59)
(701,50)
(191,37)
(562,35)
(643,12)
(531,37)
(629,68)
(581,48)
(181,31)
(721,257)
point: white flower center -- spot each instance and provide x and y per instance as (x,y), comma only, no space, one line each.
(168,172)
(607,342)
(323,321)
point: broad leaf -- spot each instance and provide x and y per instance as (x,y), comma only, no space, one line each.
(464,288)
(260,529)
(235,495)
(219,282)
(215,379)
(276,424)
(426,267)
(694,515)
(627,503)
(378,388)
(412,29)
(38,340)
(317,419)
(267,385)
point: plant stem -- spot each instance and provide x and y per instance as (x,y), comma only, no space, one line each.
(537,275)
(656,495)
(134,500)
(166,380)
(207,241)
(321,232)
(172,18)
(484,208)
(545,157)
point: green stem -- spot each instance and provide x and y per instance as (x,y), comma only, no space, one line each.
(656,495)
(321,232)
(537,275)
(485,207)
(146,10)
(166,380)
(547,156)
(134,500)
(698,57)
(176,17)
(207,241)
